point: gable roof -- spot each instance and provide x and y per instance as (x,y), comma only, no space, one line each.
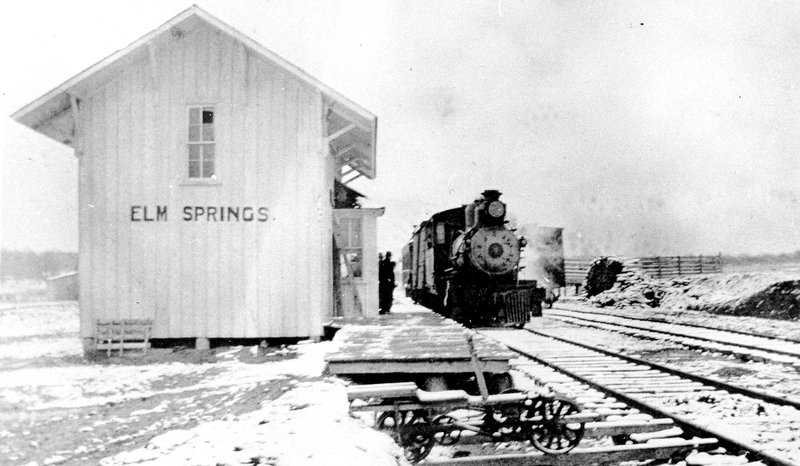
(53,114)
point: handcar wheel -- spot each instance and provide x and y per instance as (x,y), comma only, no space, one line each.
(387,422)
(414,432)
(505,419)
(446,430)
(552,435)
(416,438)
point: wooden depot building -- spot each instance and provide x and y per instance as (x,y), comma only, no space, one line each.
(212,188)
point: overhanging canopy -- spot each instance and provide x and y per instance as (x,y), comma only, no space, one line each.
(352,130)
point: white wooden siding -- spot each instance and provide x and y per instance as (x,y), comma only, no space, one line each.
(205,279)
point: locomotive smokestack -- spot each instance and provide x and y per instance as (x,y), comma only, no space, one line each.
(491,194)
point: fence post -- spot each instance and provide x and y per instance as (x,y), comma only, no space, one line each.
(680,272)
(701,263)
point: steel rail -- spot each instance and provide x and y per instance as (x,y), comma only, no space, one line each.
(562,307)
(685,423)
(700,338)
(717,383)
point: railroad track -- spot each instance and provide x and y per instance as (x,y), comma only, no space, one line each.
(741,344)
(668,405)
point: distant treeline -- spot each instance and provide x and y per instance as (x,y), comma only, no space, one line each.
(783,258)
(22,265)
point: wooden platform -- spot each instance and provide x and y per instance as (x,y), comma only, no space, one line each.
(419,341)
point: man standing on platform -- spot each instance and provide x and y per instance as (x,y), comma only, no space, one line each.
(385,283)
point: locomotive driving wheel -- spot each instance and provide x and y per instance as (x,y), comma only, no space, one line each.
(552,434)
(411,430)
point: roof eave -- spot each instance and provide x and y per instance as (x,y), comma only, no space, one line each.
(37,114)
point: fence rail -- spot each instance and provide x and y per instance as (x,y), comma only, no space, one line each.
(575,269)
(674,266)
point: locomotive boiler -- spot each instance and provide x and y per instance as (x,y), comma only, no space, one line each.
(464,264)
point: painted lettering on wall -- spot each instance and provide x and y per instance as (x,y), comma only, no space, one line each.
(225,214)
(158,213)
(141,213)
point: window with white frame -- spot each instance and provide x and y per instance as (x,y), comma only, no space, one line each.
(351,246)
(202,146)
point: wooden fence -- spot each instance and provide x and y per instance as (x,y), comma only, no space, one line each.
(674,266)
(575,269)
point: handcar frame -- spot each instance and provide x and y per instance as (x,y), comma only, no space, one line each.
(419,419)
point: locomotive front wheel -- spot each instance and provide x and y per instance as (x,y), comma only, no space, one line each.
(411,430)
(553,434)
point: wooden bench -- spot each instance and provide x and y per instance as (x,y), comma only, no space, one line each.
(121,335)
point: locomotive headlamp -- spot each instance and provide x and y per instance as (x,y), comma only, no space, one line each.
(496,209)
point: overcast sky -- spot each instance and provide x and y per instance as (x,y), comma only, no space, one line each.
(640,127)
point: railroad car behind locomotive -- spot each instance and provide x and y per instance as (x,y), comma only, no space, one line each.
(464,264)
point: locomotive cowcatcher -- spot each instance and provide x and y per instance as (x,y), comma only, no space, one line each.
(464,263)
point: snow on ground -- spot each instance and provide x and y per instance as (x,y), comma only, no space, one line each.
(175,406)
(308,426)
(720,300)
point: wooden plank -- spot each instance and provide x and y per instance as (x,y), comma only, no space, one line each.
(426,367)
(382,390)
(583,456)
(607,428)
(125,345)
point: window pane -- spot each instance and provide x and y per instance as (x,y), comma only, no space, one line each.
(194,116)
(194,151)
(354,259)
(208,169)
(345,226)
(194,169)
(440,237)
(208,132)
(208,116)
(194,133)
(208,152)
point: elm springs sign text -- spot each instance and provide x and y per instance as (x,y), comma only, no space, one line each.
(143,213)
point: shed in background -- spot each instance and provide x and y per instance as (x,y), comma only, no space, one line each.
(63,287)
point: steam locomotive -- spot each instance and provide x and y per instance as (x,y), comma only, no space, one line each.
(464,263)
